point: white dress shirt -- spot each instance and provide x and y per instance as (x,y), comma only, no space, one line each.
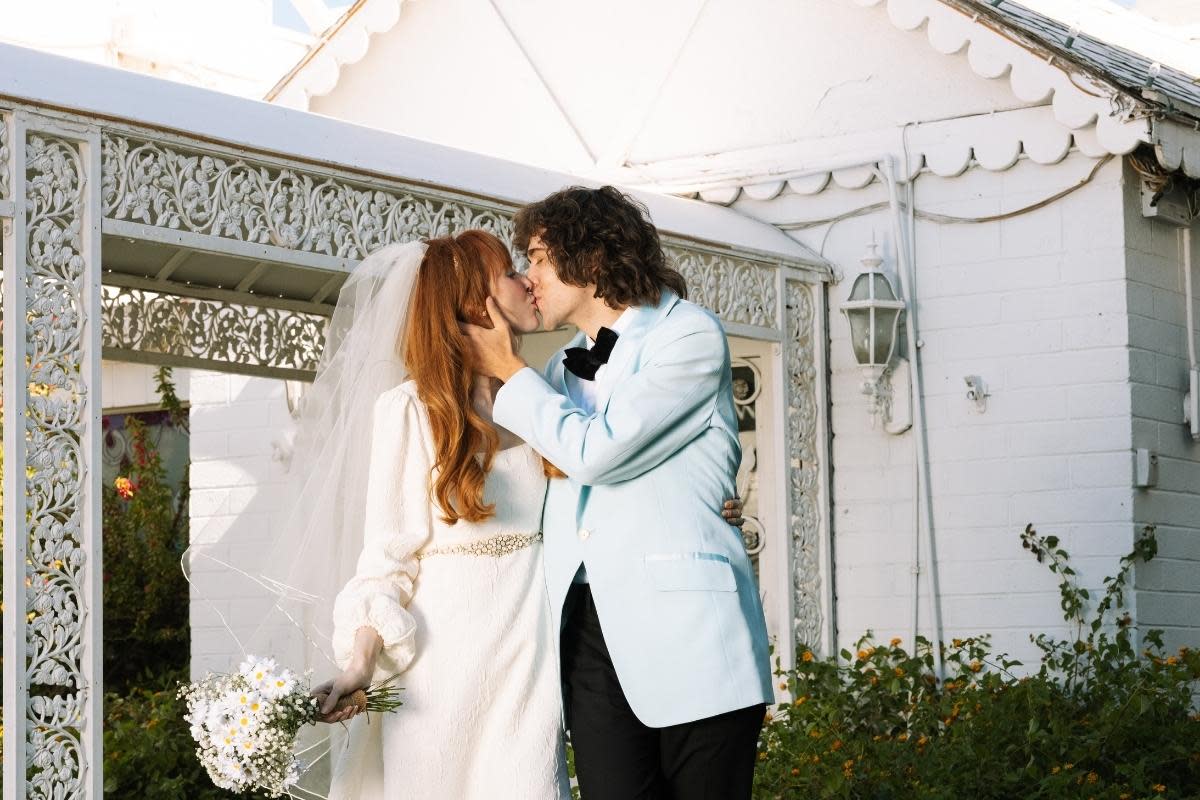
(587,391)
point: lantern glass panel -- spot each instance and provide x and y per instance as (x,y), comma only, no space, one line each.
(883,289)
(860,334)
(885,334)
(861,290)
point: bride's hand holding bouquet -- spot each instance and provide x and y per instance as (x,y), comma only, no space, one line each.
(245,724)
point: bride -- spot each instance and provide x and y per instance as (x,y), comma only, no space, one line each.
(439,513)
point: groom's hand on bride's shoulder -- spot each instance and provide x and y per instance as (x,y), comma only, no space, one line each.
(493,349)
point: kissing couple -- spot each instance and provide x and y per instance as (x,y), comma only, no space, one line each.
(538,549)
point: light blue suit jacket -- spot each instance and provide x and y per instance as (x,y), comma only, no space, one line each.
(649,472)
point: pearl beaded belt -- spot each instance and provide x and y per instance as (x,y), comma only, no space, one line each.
(495,546)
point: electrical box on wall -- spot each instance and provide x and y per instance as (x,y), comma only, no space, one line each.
(1145,468)
(1172,205)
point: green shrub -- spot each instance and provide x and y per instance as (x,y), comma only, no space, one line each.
(148,752)
(146,602)
(1097,720)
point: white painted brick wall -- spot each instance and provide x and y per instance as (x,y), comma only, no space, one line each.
(1036,305)
(1168,588)
(235,483)
(127,385)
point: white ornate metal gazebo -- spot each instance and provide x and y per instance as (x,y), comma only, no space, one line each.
(154,222)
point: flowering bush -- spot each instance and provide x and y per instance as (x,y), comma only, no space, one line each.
(1097,720)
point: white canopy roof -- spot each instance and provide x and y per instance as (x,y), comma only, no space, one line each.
(31,76)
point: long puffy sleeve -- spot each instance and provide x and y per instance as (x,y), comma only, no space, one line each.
(397,522)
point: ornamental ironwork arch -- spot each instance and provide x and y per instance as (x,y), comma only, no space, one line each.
(80,200)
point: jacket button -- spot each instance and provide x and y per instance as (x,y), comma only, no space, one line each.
(584,533)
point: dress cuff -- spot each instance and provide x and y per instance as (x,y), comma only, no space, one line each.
(395,626)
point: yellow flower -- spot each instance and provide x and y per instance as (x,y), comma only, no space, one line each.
(795,772)
(837,744)
(808,656)
(1158,787)
(1055,770)
(762,756)
(1172,660)
(896,641)
(957,642)
(899,672)
(863,655)
(124,487)
(975,666)
(801,700)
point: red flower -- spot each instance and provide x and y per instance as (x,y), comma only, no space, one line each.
(124,487)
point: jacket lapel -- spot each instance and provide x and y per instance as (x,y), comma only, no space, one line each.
(629,344)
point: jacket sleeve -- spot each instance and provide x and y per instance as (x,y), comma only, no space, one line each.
(650,415)
(397,523)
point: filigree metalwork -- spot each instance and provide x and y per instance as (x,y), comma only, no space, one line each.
(210,332)
(5,160)
(230,198)
(804,518)
(56,469)
(735,289)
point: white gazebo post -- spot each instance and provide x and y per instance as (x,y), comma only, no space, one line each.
(53,693)
(805,454)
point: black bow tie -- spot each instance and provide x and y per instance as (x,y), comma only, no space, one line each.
(583,362)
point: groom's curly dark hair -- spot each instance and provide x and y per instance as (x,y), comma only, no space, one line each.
(601,236)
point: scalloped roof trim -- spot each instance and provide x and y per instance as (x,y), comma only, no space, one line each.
(346,42)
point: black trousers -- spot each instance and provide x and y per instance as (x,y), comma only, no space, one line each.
(619,758)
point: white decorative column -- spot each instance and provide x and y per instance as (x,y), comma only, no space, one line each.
(52,549)
(806,455)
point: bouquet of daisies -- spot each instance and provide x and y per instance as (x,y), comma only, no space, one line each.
(245,724)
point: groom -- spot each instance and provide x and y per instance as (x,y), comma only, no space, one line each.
(663,644)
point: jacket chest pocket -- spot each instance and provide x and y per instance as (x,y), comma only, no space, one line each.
(697,571)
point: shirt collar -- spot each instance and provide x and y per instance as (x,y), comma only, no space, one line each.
(619,325)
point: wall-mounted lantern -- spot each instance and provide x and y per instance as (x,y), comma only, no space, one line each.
(873,311)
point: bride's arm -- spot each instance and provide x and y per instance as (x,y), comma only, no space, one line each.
(397,522)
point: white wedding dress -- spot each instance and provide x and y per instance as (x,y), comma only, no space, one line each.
(465,621)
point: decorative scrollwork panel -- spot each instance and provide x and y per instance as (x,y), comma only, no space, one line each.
(212,333)
(56,413)
(804,517)
(227,197)
(5,159)
(735,289)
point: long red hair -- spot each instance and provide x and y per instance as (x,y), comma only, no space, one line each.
(452,283)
